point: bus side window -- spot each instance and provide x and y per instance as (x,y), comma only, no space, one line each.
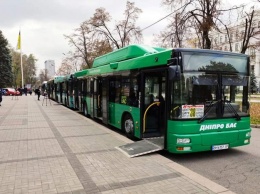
(132,99)
(112,91)
(151,98)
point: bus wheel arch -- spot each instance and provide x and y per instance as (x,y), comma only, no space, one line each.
(128,125)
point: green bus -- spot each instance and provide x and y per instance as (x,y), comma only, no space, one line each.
(56,88)
(191,99)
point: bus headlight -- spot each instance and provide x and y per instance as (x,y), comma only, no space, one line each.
(248,134)
(183,140)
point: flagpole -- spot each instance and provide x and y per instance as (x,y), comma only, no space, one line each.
(21,55)
(21,66)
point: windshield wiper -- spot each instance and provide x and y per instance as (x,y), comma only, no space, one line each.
(231,109)
(207,111)
(214,104)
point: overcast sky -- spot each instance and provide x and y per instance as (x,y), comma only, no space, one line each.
(44,22)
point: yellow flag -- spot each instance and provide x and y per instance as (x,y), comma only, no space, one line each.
(19,41)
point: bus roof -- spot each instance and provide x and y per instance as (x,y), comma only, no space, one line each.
(59,79)
(136,57)
(145,61)
(81,73)
(128,52)
(207,51)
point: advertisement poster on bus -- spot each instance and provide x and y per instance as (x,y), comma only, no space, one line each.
(192,111)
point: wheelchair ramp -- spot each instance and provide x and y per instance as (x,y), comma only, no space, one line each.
(142,147)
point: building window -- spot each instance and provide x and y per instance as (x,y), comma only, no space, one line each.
(216,41)
(231,36)
(220,39)
(236,47)
(252,51)
(226,38)
(242,34)
(259,24)
(237,35)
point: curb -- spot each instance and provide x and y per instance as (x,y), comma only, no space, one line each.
(255,125)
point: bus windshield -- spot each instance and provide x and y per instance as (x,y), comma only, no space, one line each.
(211,88)
(194,61)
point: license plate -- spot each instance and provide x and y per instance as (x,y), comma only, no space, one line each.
(220,147)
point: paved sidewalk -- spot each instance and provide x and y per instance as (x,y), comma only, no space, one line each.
(52,149)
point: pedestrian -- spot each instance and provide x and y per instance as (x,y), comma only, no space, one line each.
(38,92)
(1,94)
(25,91)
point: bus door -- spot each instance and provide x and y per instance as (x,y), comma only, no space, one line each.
(55,92)
(104,99)
(152,94)
(61,92)
(153,103)
(82,93)
(97,98)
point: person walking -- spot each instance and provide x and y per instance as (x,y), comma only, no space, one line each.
(38,92)
(25,91)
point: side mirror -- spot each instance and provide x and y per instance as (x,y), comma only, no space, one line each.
(175,73)
(173,61)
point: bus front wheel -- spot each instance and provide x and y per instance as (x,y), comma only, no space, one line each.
(128,126)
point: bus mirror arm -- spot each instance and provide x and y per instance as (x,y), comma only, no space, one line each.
(174,73)
(173,61)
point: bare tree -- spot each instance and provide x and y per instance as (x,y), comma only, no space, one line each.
(201,12)
(43,76)
(125,31)
(66,68)
(200,16)
(70,64)
(94,37)
(250,30)
(81,41)
(173,34)
(246,31)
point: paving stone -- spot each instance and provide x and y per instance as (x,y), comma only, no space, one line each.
(51,149)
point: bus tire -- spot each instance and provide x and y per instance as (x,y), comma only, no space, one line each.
(128,126)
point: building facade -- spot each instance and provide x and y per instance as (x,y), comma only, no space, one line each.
(50,67)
